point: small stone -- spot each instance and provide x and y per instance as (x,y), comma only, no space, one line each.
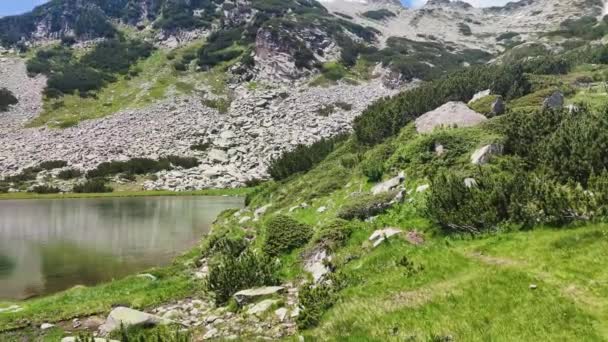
(322,209)
(147,275)
(281,313)
(213,332)
(46,326)
(533,286)
(261,307)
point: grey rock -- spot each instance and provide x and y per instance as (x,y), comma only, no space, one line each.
(555,101)
(389,184)
(381,235)
(482,155)
(451,114)
(249,295)
(261,307)
(498,106)
(128,317)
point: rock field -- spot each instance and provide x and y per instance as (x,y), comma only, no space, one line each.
(258,127)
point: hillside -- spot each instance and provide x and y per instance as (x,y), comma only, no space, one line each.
(415,193)
(232,84)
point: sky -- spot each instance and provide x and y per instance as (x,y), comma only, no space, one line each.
(11,7)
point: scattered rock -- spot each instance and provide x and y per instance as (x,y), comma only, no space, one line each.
(281,314)
(414,237)
(147,275)
(555,101)
(382,234)
(315,264)
(451,114)
(129,317)
(498,106)
(389,184)
(96,339)
(470,182)
(46,326)
(423,188)
(533,286)
(322,209)
(480,95)
(247,296)
(261,307)
(482,156)
(211,333)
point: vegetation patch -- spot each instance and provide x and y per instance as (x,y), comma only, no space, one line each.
(7,99)
(380,14)
(283,234)
(230,274)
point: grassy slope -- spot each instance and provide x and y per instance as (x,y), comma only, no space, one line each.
(157,80)
(469,289)
(472,289)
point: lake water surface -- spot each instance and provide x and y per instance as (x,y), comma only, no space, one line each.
(51,245)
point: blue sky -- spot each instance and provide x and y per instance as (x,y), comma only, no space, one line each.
(10,7)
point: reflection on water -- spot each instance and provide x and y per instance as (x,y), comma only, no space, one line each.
(50,245)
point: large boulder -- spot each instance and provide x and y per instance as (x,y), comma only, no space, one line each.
(555,101)
(128,317)
(451,114)
(498,106)
(251,295)
(388,185)
(482,156)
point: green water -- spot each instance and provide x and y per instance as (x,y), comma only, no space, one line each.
(51,245)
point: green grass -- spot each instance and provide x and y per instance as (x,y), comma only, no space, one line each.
(477,298)
(207,192)
(156,80)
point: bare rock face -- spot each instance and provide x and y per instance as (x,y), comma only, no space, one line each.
(451,114)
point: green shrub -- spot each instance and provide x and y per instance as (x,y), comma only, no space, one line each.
(183,162)
(344,106)
(372,165)
(92,186)
(380,14)
(230,274)
(524,199)
(45,189)
(303,158)
(326,110)
(69,174)
(6,99)
(366,206)
(200,146)
(117,56)
(53,164)
(484,104)
(334,234)
(283,234)
(135,166)
(316,299)
(386,117)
